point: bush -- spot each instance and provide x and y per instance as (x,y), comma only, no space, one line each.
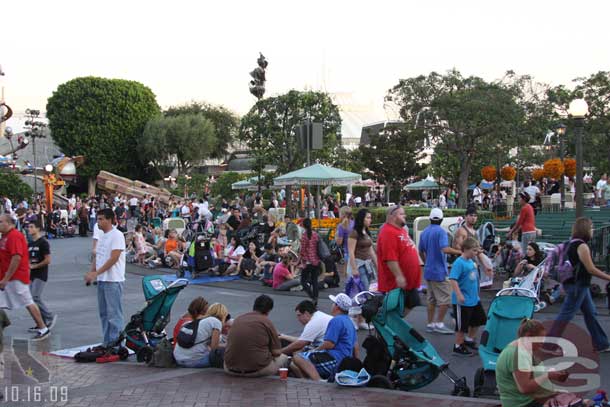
(379,214)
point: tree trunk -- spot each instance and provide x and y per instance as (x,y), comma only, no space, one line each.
(463,183)
(91,183)
(389,188)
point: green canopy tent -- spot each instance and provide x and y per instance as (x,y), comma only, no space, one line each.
(318,174)
(421,185)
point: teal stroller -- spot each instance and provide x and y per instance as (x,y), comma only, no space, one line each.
(507,310)
(147,327)
(412,361)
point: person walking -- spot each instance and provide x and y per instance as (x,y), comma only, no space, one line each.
(397,259)
(578,289)
(310,261)
(40,258)
(433,249)
(108,270)
(362,256)
(526,223)
(15,274)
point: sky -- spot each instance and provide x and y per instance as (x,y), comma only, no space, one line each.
(204,50)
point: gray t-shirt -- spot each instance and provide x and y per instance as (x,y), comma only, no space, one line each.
(202,341)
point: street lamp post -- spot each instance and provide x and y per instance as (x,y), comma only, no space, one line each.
(578,110)
(35,130)
(561,131)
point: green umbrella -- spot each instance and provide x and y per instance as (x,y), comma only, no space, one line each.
(245,184)
(318,174)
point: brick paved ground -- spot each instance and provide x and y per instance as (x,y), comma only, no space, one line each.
(135,385)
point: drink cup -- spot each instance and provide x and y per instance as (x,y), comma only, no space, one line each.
(284,373)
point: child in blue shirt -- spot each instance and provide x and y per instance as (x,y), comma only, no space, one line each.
(467,308)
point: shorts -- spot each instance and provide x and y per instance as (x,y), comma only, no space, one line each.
(324,363)
(411,298)
(439,292)
(469,317)
(15,295)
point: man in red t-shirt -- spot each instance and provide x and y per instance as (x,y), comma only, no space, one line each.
(397,259)
(526,223)
(15,274)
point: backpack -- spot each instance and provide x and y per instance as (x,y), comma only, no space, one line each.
(323,251)
(163,355)
(187,335)
(558,265)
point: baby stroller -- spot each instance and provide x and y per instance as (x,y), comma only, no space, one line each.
(197,259)
(506,312)
(410,361)
(198,228)
(529,286)
(147,328)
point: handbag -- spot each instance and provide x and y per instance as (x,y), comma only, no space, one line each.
(323,251)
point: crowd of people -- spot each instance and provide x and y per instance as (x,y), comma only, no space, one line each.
(287,255)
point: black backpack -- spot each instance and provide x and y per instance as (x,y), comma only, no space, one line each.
(187,334)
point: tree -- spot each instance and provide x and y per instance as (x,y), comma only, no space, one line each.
(101,119)
(268,129)
(13,187)
(222,186)
(226,123)
(178,141)
(466,114)
(392,155)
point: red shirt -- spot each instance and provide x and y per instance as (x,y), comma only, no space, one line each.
(279,274)
(13,243)
(527,219)
(394,244)
(309,249)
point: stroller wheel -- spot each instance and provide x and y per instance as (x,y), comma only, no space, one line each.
(380,381)
(123,353)
(479,381)
(144,354)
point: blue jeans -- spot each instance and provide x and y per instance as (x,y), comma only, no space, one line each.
(203,362)
(109,297)
(92,222)
(579,297)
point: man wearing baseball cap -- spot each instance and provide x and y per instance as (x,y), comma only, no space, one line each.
(433,250)
(340,341)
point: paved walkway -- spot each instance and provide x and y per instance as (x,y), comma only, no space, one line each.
(136,385)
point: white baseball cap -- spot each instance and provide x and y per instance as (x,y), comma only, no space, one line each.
(436,213)
(342,301)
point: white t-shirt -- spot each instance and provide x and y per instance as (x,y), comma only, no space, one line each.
(239,251)
(599,187)
(185,210)
(316,328)
(133,201)
(477,195)
(107,242)
(532,191)
(97,232)
(204,336)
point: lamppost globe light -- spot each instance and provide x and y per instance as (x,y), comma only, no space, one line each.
(48,168)
(578,108)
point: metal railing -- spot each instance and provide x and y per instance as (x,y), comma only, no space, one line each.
(599,245)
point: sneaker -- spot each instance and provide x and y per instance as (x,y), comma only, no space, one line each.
(33,329)
(440,328)
(472,345)
(605,350)
(52,322)
(461,350)
(363,325)
(41,334)
(430,327)
(297,288)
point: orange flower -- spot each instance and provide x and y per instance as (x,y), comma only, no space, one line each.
(538,173)
(488,173)
(508,173)
(553,168)
(570,167)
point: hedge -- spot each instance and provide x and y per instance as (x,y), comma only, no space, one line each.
(379,214)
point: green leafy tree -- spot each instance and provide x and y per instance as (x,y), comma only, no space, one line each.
(466,114)
(222,186)
(226,123)
(268,129)
(13,187)
(178,141)
(392,155)
(101,119)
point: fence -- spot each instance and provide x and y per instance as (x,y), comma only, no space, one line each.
(599,246)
